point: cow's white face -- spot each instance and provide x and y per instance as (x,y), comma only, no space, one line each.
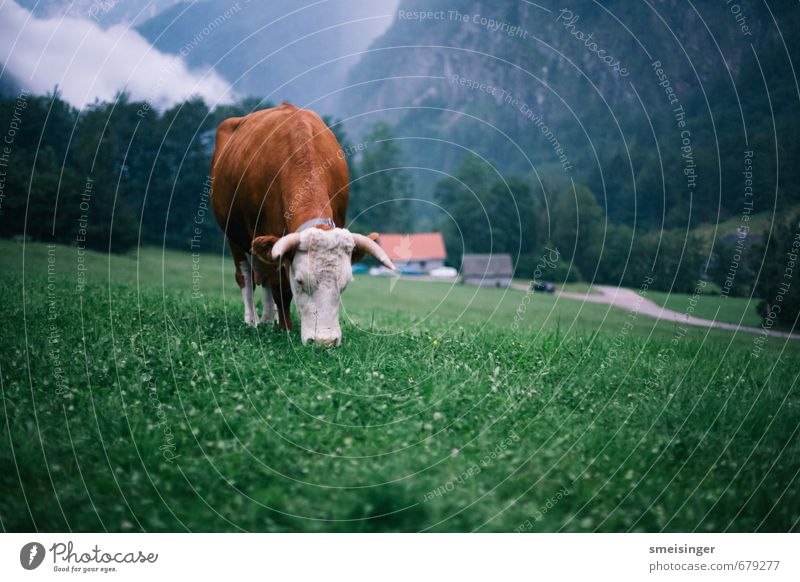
(319,273)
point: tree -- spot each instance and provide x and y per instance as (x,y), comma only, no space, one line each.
(464,196)
(614,263)
(734,265)
(103,152)
(779,284)
(672,257)
(512,216)
(181,170)
(241,108)
(578,223)
(379,196)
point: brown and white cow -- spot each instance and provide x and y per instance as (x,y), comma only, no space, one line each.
(279,191)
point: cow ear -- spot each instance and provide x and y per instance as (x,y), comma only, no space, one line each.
(358,254)
(262,248)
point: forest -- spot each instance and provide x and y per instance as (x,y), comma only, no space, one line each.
(118,175)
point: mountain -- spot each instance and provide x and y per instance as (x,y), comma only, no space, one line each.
(589,91)
(105,12)
(281,50)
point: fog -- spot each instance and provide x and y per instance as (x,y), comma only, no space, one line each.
(87,62)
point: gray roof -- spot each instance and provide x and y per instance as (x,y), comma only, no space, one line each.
(494,265)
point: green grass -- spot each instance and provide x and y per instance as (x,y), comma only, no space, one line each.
(444,410)
(739,310)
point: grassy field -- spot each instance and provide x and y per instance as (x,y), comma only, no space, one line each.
(142,402)
(739,310)
(712,306)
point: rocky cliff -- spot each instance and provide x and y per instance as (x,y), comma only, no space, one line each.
(589,90)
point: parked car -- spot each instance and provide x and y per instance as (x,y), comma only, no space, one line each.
(443,273)
(359,268)
(544,286)
(380,272)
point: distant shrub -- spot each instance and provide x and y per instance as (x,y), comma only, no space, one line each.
(779,283)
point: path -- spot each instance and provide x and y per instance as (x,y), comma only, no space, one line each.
(631,301)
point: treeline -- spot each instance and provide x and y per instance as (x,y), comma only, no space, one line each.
(530,217)
(482,209)
(111,176)
(116,175)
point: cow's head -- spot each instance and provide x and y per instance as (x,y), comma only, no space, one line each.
(319,271)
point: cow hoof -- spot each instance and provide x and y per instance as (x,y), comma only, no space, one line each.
(251,321)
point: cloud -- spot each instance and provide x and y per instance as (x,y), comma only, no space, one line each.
(88,62)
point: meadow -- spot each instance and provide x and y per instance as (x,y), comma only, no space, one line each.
(135,399)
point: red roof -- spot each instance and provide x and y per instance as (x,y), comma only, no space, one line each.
(425,246)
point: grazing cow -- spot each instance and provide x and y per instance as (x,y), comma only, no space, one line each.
(279,191)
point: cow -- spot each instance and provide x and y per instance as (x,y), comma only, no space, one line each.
(279,191)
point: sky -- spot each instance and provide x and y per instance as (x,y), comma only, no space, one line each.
(88,62)
(90,59)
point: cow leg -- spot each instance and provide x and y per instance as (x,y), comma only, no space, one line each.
(261,276)
(244,277)
(269,311)
(247,293)
(283,300)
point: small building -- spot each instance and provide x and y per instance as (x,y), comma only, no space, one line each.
(492,270)
(415,253)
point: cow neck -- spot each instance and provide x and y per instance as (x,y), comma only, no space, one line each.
(318,221)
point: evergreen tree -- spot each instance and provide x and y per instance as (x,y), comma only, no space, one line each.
(379,196)
(779,283)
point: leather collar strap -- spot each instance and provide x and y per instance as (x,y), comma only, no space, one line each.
(314,222)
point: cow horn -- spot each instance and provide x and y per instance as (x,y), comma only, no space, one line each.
(368,245)
(285,244)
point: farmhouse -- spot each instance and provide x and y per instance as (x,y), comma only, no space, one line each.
(414,252)
(492,270)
